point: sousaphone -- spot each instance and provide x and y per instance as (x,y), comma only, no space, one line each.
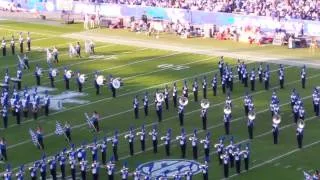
(276,119)
(69,74)
(54,72)
(160,97)
(183,101)
(301,123)
(116,83)
(227,109)
(100,80)
(82,78)
(205,104)
(251,115)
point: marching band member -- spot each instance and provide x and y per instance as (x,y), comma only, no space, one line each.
(205,168)
(314,95)
(194,143)
(115,145)
(130,138)
(62,163)
(167,141)
(206,146)
(7,174)
(299,134)
(154,137)
(94,150)
(175,94)
(29,42)
(281,76)
(230,80)
(46,103)
(223,84)
(225,158)
(245,76)
(67,131)
(296,108)
(113,89)
(266,79)
(181,114)
(220,65)
(78,49)
(220,149)
(95,120)
(195,90)
(6,77)
(142,138)
(146,104)
(53,168)
(250,124)
(79,82)
(166,97)
(230,149)
(137,174)
(21,43)
(51,77)
(3,46)
(40,138)
(136,107)
(124,172)
(4,113)
(37,74)
(43,168)
(303,75)
(227,119)
(275,132)
(66,78)
(237,158)
(33,171)
(18,111)
(316,102)
(260,70)
(95,170)
(91,45)
(110,169)
(83,169)
(159,110)
(214,84)
(246,155)
(26,61)
(246,102)
(182,142)
(203,115)
(185,89)
(35,109)
(239,69)
(12,45)
(103,148)
(253,79)
(301,112)
(3,149)
(73,168)
(19,76)
(55,54)
(204,87)
(293,98)
(20,173)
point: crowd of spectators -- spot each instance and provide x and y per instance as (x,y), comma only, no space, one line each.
(287,9)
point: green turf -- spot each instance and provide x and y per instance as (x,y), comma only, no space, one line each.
(138,68)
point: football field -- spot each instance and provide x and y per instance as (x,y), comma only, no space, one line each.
(144,69)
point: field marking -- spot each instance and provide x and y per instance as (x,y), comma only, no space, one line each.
(281,156)
(8,28)
(211,127)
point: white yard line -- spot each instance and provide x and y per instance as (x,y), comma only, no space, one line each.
(9,28)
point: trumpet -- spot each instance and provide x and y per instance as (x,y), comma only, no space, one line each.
(163,138)
(301,124)
(178,137)
(276,119)
(183,101)
(227,109)
(128,136)
(193,138)
(139,133)
(110,139)
(251,115)
(203,141)
(205,104)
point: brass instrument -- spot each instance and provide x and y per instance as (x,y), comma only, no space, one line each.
(130,135)
(178,137)
(160,97)
(139,133)
(54,72)
(183,101)
(193,138)
(82,78)
(227,109)
(251,115)
(100,80)
(301,124)
(205,104)
(203,141)
(116,83)
(276,119)
(39,71)
(163,138)
(69,74)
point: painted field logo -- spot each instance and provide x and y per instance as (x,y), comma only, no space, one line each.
(57,100)
(173,67)
(169,167)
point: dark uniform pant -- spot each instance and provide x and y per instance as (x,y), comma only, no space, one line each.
(252,85)
(226,170)
(214,89)
(115,152)
(4,51)
(18,117)
(238,166)
(5,121)
(131,148)
(143,145)
(303,82)
(167,146)
(266,85)
(183,150)
(136,113)
(83,175)
(181,118)
(155,146)
(204,123)
(146,110)
(246,164)
(175,101)
(80,86)
(166,101)
(53,174)
(46,110)
(299,139)
(63,171)
(275,138)
(195,152)
(227,127)
(73,174)
(67,83)
(159,114)
(281,83)
(38,80)
(52,82)
(104,157)
(204,93)
(250,131)
(113,91)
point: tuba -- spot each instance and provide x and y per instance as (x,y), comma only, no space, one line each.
(251,115)
(82,78)
(227,109)
(276,119)
(301,124)
(160,97)
(205,104)
(54,72)
(69,74)
(116,83)
(100,80)
(183,101)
